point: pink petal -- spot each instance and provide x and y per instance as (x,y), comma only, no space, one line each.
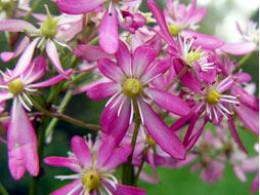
(118,157)
(238,49)
(22,143)
(75,187)
(163,136)
(129,190)
(110,70)
(255,184)
(91,53)
(249,117)
(78,6)
(103,90)
(143,57)
(16,25)
(51,81)
(54,57)
(58,161)
(4,96)
(181,122)
(158,15)
(7,56)
(108,31)
(81,150)
(25,59)
(115,118)
(203,40)
(168,101)
(123,58)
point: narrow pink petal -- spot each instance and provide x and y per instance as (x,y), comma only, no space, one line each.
(78,6)
(7,56)
(58,161)
(255,184)
(158,15)
(143,57)
(249,117)
(103,90)
(108,31)
(68,34)
(51,81)
(22,143)
(203,40)
(110,70)
(130,190)
(181,122)
(115,122)
(91,53)
(54,57)
(4,96)
(123,58)
(168,101)
(235,135)
(81,150)
(16,25)
(25,60)
(118,157)
(238,49)
(163,136)
(75,187)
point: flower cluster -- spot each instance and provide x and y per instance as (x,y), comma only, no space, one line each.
(175,96)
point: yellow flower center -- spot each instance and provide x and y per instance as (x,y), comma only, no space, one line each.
(132,87)
(15,86)
(174,30)
(150,140)
(91,180)
(192,57)
(213,97)
(49,28)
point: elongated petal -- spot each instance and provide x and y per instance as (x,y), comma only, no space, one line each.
(81,150)
(4,96)
(168,101)
(91,53)
(238,49)
(130,190)
(51,81)
(103,90)
(54,57)
(158,15)
(72,188)
(160,132)
(143,56)
(203,40)
(16,25)
(123,58)
(249,117)
(115,119)
(180,122)
(22,144)
(58,161)
(108,31)
(7,56)
(25,60)
(118,157)
(110,70)
(235,135)
(78,6)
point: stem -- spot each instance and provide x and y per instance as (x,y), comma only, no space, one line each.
(35,180)
(142,164)
(3,191)
(242,61)
(84,29)
(34,6)
(61,108)
(128,169)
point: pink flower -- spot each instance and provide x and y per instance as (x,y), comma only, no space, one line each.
(22,141)
(50,34)
(94,166)
(250,41)
(129,80)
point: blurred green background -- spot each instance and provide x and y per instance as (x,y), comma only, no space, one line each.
(173,181)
